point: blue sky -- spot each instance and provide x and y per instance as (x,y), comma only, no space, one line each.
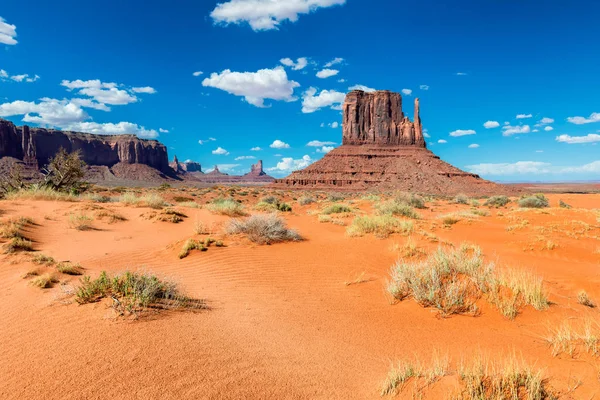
(273,74)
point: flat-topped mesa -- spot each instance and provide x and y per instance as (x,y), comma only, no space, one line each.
(376,118)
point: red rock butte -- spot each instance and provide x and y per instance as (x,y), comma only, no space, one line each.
(383,149)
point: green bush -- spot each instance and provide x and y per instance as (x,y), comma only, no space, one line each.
(497,201)
(336,209)
(535,201)
(394,207)
(264,229)
(562,204)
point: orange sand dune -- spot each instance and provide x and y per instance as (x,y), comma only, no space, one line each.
(282,323)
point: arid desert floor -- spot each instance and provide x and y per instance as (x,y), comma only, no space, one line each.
(303,319)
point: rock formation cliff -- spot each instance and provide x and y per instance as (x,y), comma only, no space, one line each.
(35,146)
(383,149)
(185,167)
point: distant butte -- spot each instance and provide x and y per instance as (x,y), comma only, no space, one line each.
(382,149)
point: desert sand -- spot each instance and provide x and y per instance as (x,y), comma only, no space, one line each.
(296,320)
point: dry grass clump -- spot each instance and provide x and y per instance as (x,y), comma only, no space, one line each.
(189,204)
(202,228)
(455,217)
(461,199)
(331,220)
(306,200)
(133,293)
(410,250)
(371,197)
(535,201)
(39,193)
(228,207)
(18,244)
(272,203)
(42,259)
(380,225)
(97,198)
(68,268)
(44,281)
(401,373)
(111,216)
(562,204)
(507,379)
(567,339)
(170,215)
(411,199)
(396,208)
(360,278)
(81,222)
(497,201)
(153,200)
(336,209)
(190,245)
(584,299)
(13,230)
(129,199)
(453,280)
(264,229)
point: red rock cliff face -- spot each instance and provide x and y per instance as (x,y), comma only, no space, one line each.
(35,146)
(377,118)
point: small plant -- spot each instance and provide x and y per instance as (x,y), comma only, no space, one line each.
(449,220)
(18,244)
(69,268)
(396,208)
(130,199)
(380,225)
(133,293)
(562,204)
(336,209)
(584,299)
(270,200)
(153,200)
(497,201)
(306,200)
(190,245)
(44,281)
(461,199)
(42,259)
(189,204)
(170,215)
(535,201)
(335,197)
(284,207)
(411,199)
(81,222)
(359,279)
(228,207)
(264,229)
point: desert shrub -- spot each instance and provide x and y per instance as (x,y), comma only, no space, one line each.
(413,200)
(497,201)
(182,199)
(562,204)
(330,219)
(336,209)
(306,200)
(228,207)
(535,201)
(13,228)
(450,219)
(461,199)
(153,200)
(475,203)
(97,198)
(397,208)
(263,206)
(480,213)
(190,245)
(81,222)
(371,197)
(264,229)
(270,200)
(34,192)
(219,243)
(44,281)
(18,244)
(133,293)
(189,204)
(42,259)
(452,281)
(170,215)
(69,268)
(130,199)
(110,215)
(584,299)
(400,374)
(335,197)
(380,225)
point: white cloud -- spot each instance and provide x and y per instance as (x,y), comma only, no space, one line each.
(407,92)
(288,164)
(363,88)
(461,74)
(462,132)
(591,167)
(197,73)
(105,92)
(3,74)
(334,124)
(121,128)
(336,60)
(589,138)
(594,117)
(255,87)
(89,103)
(220,151)
(426,133)
(318,143)
(20,78)
(535,130)
(8,33)
(224,167)
(145,89)
(327,98)
(300,63)
(491,124)
(326,73)
(524,116)
(474,146)
(548,128)
(539,151)
(520,167)
(424,87)
(203,141)
(278,144)
(341,80)
(264,15)
(245,158)
(546,121)
(442,141)
(325,149)
(161,130)
(255,149)
(508,130)
(48,112)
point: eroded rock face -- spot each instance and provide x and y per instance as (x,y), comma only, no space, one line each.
(256,169)
(35,146)
(377,118)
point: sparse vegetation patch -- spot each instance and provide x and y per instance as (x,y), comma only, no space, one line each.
(264,229)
